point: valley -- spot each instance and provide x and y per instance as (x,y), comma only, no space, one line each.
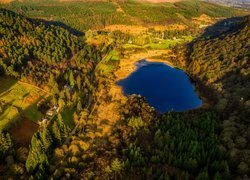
(63,115)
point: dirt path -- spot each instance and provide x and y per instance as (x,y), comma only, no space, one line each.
(36,87)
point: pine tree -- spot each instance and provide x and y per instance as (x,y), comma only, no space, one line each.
(116,165)
(71,79)
(5,144)
(56,132)
(78,81)
(79,106)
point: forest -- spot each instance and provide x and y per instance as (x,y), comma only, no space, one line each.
(98,15)
(76,73)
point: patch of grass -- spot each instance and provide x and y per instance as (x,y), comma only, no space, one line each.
(32,113)
(188,38)
(19,99)
(8,117)
(110,63)
(114,56)
(67,115)
(162,44)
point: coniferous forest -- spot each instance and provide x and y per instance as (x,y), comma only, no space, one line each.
(62,117)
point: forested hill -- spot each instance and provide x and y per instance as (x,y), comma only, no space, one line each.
(55,60)
(99,14)
(23,41)
(221,63)
(37,54)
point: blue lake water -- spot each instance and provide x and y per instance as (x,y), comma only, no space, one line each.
(165,88)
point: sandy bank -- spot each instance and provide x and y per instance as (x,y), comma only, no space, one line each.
(127,66)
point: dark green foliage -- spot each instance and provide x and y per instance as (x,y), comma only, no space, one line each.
(26,42)
(5,145)
(37,159)
(174,12)
(49,57)
(220,64)
(42,144)
(185,142)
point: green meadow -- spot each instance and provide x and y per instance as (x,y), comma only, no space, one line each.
(18,101)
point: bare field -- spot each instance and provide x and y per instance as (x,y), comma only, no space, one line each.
(23,132)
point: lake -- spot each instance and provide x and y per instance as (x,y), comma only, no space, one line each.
(165,88)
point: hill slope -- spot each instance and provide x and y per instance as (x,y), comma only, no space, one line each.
(85,15)
(207,143)
(221,63)
(234,3)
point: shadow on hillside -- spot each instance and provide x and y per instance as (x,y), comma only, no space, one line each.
(223,26)
(5,84)
(229,94)
(59,24)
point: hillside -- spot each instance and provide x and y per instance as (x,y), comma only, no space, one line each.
(97,15)
(234,3)
(62,115)
(35,54)
(221,64)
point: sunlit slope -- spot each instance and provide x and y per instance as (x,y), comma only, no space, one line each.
(221,63)
(89,14)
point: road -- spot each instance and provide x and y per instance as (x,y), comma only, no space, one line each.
(90,98)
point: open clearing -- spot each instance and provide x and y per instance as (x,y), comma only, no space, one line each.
(23,132)
(20,100)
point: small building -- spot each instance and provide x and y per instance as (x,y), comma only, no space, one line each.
(43,121)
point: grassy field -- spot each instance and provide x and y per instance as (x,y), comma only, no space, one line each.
(19,101)
(67,115)
(110,63)
(162,44)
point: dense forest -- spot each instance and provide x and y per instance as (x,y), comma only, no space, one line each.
(211,142)
(53,59)
(219,65)
(36,53)
(222,63)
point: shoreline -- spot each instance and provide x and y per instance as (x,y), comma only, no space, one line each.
(128,66)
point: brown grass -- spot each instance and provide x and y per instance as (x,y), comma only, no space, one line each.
(135,29)
(127,65)
(23,132)
(203,19)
